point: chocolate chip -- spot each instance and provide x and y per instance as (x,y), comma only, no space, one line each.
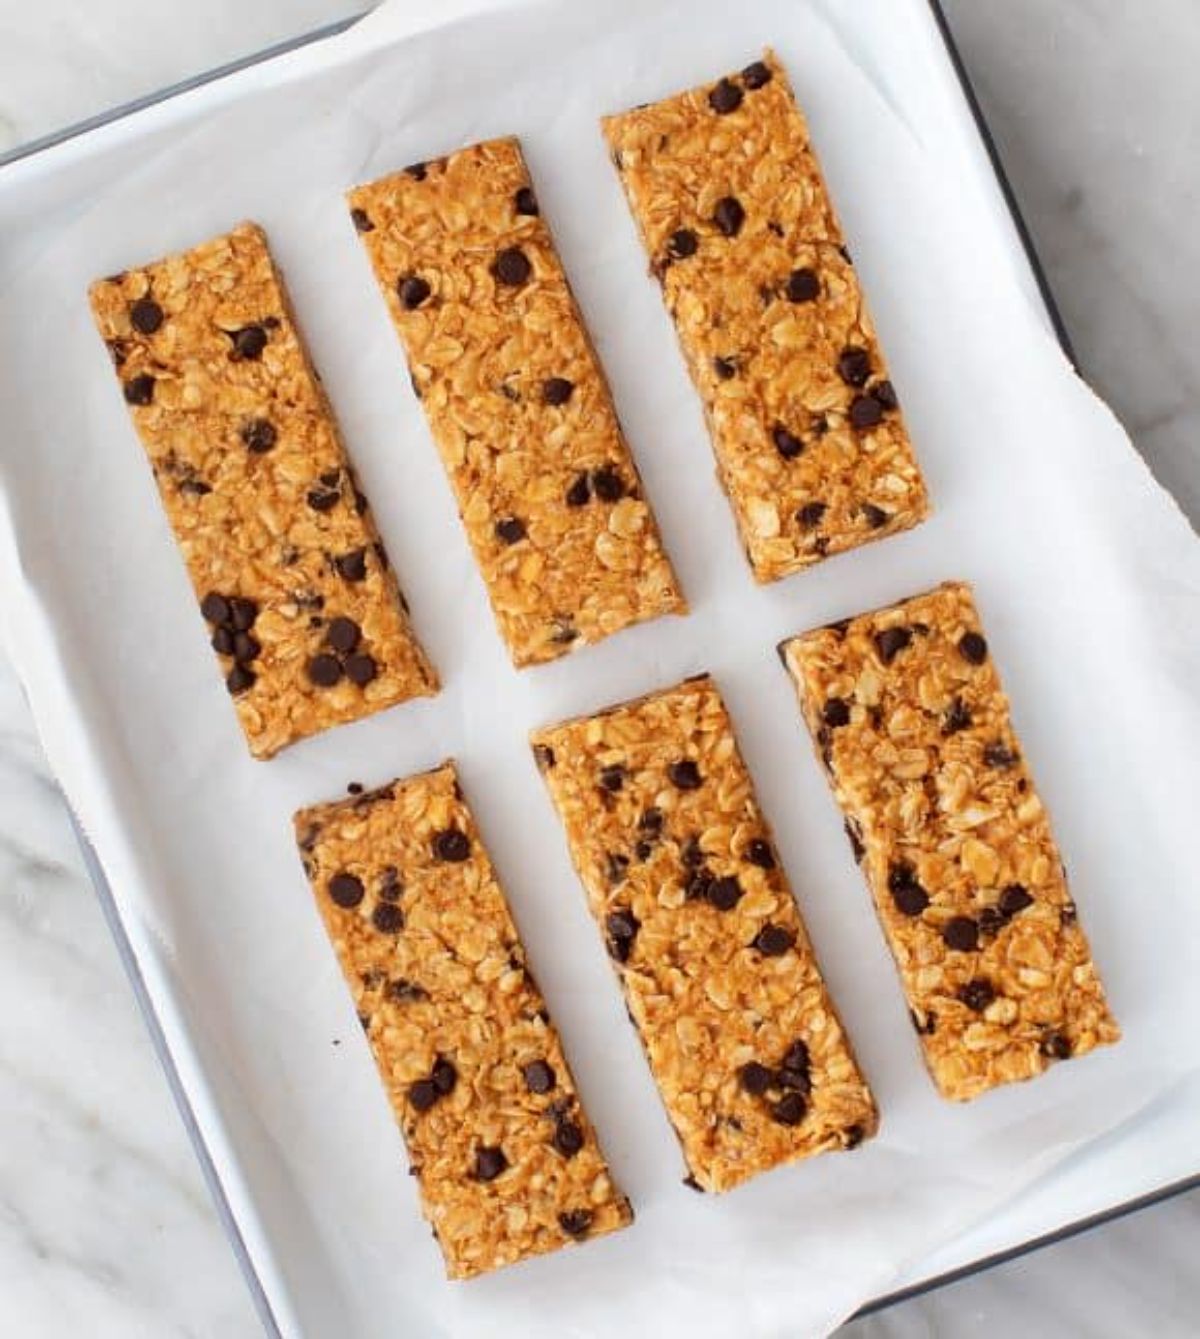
(875,516)
(925,1028)
(361,220)
(691,855)
(403,991)
(618,864)
(854,366)
(242,613)
(146,316)
(885,393)
(557,390)
(1014,898)
(139,390)
(756,75)
(758,852)
(544,756)
(510,529)
(391,886)
(196,487)
(957,718)
(622,927)
(239,679)
(453,845)
(729,215)
(961,933)
(489,1163)
(579,492)
(810,515)
(417,171)
(422,1095)
(991,921)
(697,884)
(685,774)
(539,1076)
(245,647)
(259,435)
(387,918)
(346,890)
(773,940)
(836,712)
(725,368)
(352,566)
(343,634)
(322,499)
(1055,1046)
(682,243)
(910,898)
(787,444)
(977,994)
(512,267)
(222,641)
(755,1078)
(248,342)
(865,412)
(575,1222)
(412,291)
(998,755)
(324,670)
(789,1110)
(797,1057)
(853,1136)
(725,97)
(803,285)
(973,648)
(607,485)
(443,1076)
(612,778)
(525,202)
(891,641)
(568,1138)
(855,841)
(724,893)
(651,821)
(361,670)
(215,608)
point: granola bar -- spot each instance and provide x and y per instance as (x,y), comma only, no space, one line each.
(909,718)
(719,976)
(507,1162)
(733,212)
(517,401)
(303,609)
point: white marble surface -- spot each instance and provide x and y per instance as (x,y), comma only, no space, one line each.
(105,1227)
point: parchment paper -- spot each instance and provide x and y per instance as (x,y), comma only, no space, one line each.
(1087,575)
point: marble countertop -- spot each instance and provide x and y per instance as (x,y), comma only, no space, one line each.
(105,1227)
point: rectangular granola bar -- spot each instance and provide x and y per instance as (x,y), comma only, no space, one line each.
(507,1162)
(286,562)
(909,718)
(517,401)
(719,976)
(733,212)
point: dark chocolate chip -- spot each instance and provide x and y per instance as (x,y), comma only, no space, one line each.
(651,821)
(685,774)
(973,648)
(853,1135)
(885,393)
(642,850)
(391,886)
(245,647)
(215,608)
(544,756)
(997,754)
(797,1057)
(787,443)
(322,499)
(810,515)
(575,1222)
(977,994)
(196,487)
(412,291)
(404,991)
(568,1138)
(961,933)
(222,641)
(729,215)
(691,855)
(875,516)
(991,921)
(836,712)
(248,342)
(855,841)
(612,778)
(443,1076)
(512,267)
(579,492)
(725,97)
(724,893)
(361,220)
(891,641)
(618,865)
(489,1163)
(259,435)
(622,927)
(343,634)
(417,171)
(773,940)
(755,1078)
(539,1076)
(1055,1046)
(525,202)
(910,898)
(346,890)
(361,669)
(557,390)
(422,1095)
(510,530)
(239,679)
(242,613)
(607,485)
(146,316)
(725,368)
(697,884)
(865,412)
(957,718)
(756,75)
(854,366)
(387,918)
(352,566)
(1014,898)
(324,670)
(682,243)
(758,852)
(789,1110)
(803,285)
(139,390)
(453,845)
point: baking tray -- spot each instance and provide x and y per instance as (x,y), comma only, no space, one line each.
(1142,1165)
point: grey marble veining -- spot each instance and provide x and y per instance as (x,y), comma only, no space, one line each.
(105,1228)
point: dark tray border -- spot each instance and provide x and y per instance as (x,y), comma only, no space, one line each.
(125,951)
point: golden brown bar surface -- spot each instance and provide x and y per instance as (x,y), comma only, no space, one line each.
(282,552)
(719,976)
(908,715)
(517,401)
(731,204)
(507,1162)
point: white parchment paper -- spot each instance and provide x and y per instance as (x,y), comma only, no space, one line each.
(1087,575)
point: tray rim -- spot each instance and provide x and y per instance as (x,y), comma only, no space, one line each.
(99,880)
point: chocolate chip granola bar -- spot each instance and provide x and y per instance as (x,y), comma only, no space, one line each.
(517,400)
(734,214)
(507,1162)
(719,976)
(303,609)
(910,721)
